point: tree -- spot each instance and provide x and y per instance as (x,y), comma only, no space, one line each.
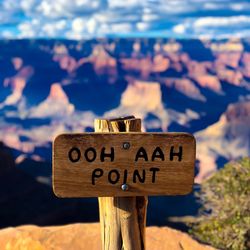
(224,219)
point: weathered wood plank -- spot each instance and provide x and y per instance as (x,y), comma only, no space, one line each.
(122,219)
(97,164)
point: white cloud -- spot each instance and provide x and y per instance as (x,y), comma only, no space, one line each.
(221,21)
(211,6)
(61,24)
(26,30)
(142,26)
(65,8)
(54,29)
(147,17)
(91,25)
(124,4)
(28,5)
(121,27)
(42,29)
(6,34)
(10,5)
(179,28)
(178,7)
(45,8)
(240,6)
(78,24)
(87,18)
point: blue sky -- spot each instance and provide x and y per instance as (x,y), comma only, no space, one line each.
(79,19)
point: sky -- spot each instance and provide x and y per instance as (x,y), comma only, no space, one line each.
(80,19)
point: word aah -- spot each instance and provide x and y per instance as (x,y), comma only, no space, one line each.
(115,176)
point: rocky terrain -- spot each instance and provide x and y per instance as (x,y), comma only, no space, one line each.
(48,87)
(87,236)
(52,86)
(229,138)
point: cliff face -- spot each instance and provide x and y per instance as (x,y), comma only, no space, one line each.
(23,199)
(7,159)
(74,82)
(139,99)
(228,138)
(239,113)
(87,236)
(17,82)
(56,104)
(51,87)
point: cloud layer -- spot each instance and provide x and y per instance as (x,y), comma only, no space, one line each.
(78,19)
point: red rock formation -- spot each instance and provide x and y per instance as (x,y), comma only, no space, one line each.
(66,62)
(232,45)
(17,62)
(230,59)
(102,61)
(234,77)
(228,138)
(160,63)
(195,68)
(17,84)
(56,104)
(210,82)
(87,237)
(246,64)
(57,93)
(146,65)
(143,66)
(239,112)
(186,87)
(141,98)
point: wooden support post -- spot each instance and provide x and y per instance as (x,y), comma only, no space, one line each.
(122,219)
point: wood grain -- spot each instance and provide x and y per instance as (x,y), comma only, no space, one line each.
(74,179)
(122,219)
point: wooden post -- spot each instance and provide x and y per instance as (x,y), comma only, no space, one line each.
(122,219)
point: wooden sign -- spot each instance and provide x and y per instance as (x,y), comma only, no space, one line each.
(123,164)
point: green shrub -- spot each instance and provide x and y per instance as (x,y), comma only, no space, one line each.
(224,219)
